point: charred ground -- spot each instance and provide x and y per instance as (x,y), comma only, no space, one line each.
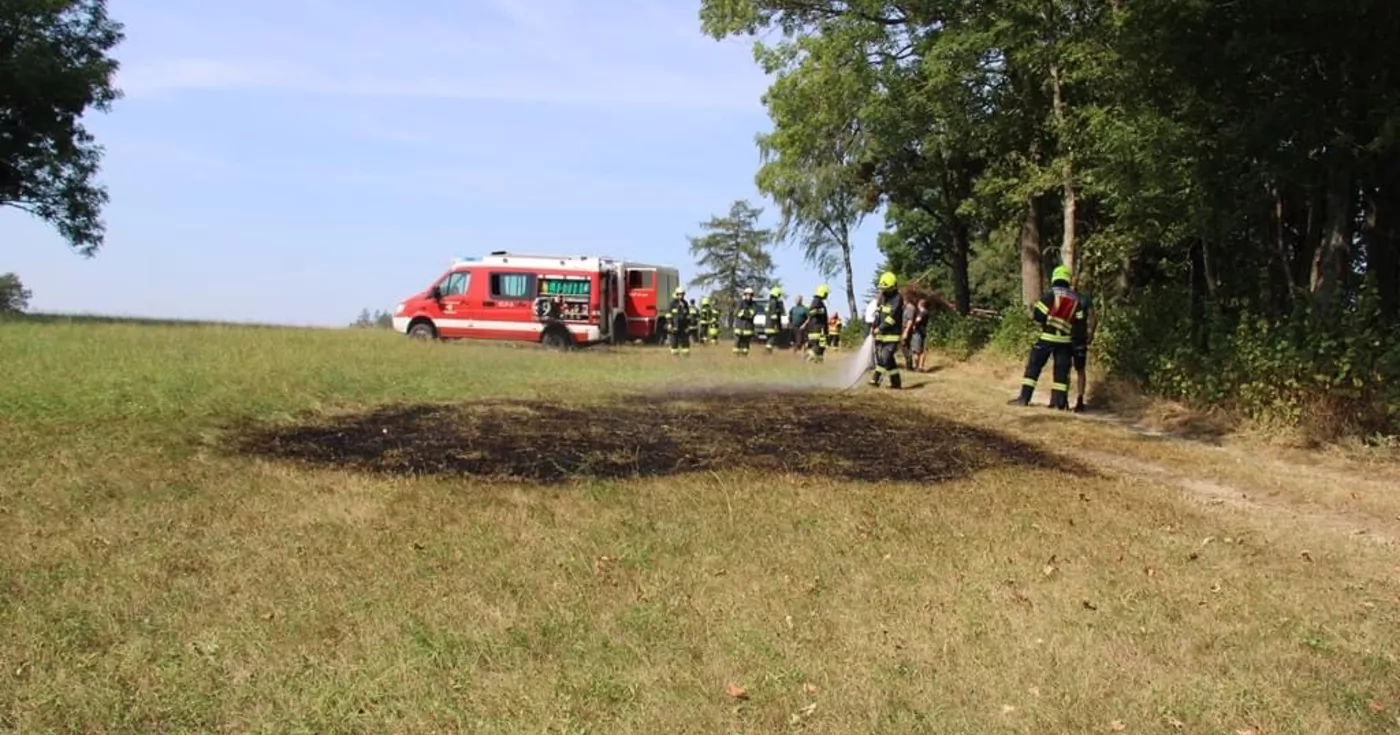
(866,438)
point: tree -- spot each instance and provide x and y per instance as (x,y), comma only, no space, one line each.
(14,297)
(733,255)
(54,67)
(377,320)
(809,160)
(1221,176)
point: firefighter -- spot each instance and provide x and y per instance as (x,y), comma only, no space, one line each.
(816,324)
(680,324)
(833,332)
(709,319)
(888,330)
(773,313)
(694,322)
(744,312)
(1058,311)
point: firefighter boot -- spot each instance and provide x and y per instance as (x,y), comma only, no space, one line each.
(1025,398)
(1079,406)
(895,381)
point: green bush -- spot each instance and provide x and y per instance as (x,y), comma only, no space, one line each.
(1328,376)
(1013,334)
(959,336)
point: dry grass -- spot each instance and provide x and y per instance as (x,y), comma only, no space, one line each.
(158,581)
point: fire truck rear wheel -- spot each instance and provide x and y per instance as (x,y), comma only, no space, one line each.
(422,329)
(556,337)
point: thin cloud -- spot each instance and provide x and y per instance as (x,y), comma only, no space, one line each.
(636,54)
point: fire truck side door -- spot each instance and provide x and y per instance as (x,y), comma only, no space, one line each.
(506,312)
(455,305)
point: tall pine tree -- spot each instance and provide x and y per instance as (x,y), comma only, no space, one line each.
(734,254)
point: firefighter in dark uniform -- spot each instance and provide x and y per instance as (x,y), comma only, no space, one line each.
(888,330)
(1058,311)
(694,322)
(709,322)
(817,324)
(773,319)
(744,312)
(680,324)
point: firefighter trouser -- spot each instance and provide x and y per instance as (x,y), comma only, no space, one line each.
(770,337)
(885,364)
(680,339)
(1041,353)
(742,337)
(712,331)
(816,342)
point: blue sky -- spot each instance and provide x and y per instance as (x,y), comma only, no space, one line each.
(297,161)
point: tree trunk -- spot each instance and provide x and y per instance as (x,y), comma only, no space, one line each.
(1382,262)
(961,254)
(850,276)
(1067,244)
(1032,277)
(1200,335)
(1210,272)
(1281,281)
(1332,253)
(1308,240)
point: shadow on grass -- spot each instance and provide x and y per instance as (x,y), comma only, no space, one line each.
(865,438)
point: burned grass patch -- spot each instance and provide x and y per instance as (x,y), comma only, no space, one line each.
(866,438)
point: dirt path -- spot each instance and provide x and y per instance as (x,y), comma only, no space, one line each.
(1323,489)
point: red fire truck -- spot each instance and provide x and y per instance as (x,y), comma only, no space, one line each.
(559,301)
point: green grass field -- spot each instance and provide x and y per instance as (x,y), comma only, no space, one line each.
(247,530)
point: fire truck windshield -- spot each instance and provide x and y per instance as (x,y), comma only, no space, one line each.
(565,287)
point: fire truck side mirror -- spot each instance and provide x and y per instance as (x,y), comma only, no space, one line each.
(435,293)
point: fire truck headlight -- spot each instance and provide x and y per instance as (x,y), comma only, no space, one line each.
(398,309)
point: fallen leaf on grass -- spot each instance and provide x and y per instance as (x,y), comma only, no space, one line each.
(809,688)
(735,691)
(797,717)
(1117,726)
(1089,605)
(1175,723)
(1375,706)
(1007,709)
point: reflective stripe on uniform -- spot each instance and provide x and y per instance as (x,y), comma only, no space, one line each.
(1028,382)
(1059,339)
(1059,386)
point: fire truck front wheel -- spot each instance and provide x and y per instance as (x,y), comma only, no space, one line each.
(422,329)
(556,337)
(619,329)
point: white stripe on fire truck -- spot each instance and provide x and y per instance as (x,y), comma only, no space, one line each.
(535,327)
